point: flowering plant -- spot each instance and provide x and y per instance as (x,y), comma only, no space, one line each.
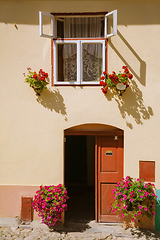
(111,80)
(50,202)
(37,81)
(136,196)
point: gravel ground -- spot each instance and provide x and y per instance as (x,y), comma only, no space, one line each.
(13,229)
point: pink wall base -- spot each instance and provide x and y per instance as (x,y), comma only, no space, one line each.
(10,200)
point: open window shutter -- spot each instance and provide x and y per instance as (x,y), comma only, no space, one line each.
(114,31)
(53,28)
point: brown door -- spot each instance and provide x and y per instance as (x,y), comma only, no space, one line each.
(26,211)
(109,171)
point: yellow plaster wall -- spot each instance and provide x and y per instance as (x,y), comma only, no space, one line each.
(32,148)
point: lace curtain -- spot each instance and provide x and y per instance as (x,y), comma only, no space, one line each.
(86,27)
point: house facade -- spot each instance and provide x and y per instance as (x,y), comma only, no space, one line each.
(73,133)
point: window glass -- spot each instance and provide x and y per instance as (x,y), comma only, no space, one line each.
(91,61)
(67,62)
(80,27)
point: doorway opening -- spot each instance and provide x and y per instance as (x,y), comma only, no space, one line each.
(80,177)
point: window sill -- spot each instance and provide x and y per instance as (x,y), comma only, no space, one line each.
(75,85)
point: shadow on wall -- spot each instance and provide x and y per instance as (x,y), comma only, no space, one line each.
(131,103)
(142,76)
(53,100)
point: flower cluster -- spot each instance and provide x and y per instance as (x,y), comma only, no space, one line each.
(111,80)
(36,80)
(136,196)
(50,202)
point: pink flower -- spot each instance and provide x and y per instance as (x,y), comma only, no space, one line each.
(140,207)
(113,191)
(145,209)
(133,219)
(123,215)
(139,212)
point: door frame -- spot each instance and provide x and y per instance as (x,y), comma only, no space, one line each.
(69,132)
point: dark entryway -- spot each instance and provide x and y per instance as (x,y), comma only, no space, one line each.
(80,177)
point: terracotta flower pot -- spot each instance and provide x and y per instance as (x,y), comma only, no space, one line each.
(146,223)
(37,90)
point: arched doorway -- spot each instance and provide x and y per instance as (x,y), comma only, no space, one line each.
(93,166)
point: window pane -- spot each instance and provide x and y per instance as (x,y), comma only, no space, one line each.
(67,62)
(83,27)
(92,61)
(60,29)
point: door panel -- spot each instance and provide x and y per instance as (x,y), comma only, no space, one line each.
(109,172)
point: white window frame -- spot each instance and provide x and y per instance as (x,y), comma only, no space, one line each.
(79,61)
(114,30)
(53,25)
(54,29)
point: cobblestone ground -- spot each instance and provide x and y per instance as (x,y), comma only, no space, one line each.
(73,231)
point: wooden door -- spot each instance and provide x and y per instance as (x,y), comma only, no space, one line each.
(26,211)
(109,171)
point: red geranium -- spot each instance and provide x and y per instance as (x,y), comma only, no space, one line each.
(124,67)
(101,83)
(35,76)
(37,81)
(130,76)
(111,80)
(104,90)
(124,75)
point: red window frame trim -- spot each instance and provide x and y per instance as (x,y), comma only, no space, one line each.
(52,53)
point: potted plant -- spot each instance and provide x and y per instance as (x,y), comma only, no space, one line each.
(38,81)
(119,81)
(135,197)
(50,202)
